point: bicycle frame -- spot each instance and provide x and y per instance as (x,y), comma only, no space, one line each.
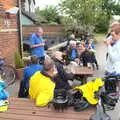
(2,62)
(7,72)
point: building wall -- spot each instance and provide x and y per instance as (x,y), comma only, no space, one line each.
(26,21)
(32,6)
(26,5)
(9,38)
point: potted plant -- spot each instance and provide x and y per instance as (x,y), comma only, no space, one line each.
(19,65)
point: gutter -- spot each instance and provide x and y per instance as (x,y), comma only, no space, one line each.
(20,29)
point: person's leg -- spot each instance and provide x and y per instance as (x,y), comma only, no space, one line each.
(21,89)
(93,66)
(96,64)
(23,93)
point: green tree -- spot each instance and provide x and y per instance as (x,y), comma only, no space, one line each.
(108,8)
(48,15)
(88,14)
(83,12)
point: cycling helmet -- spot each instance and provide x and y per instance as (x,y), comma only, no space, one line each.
(81,105)
(110,84)
(60,101)
(109,100)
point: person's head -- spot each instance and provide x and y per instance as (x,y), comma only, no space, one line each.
(57,55)
(114,24)
(90,41)
(49,67)
(34,59)
(116,33)
(39,31)
(73,44)
(82,42)
(81,47)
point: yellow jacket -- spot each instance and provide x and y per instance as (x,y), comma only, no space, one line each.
(41,89)
(89,89)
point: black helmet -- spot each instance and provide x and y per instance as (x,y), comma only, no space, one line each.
(60,101)
(81,105)
(109,100)
(110,84)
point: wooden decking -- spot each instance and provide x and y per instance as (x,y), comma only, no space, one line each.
(25,109)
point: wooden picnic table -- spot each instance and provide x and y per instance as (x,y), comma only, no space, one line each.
(25,109)
(82,73)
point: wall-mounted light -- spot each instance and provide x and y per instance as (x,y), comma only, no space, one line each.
(7,15)
(12,10)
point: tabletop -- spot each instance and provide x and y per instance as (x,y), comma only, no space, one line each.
(25,109)
(83,71)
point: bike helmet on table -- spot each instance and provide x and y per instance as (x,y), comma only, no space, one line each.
(60,101)
(81,105)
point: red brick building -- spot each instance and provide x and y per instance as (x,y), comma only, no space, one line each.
(9,30)
(9,37)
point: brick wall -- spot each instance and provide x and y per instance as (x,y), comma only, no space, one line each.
(48,29)
(9,38)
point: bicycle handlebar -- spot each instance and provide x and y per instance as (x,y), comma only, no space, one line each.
(112,77)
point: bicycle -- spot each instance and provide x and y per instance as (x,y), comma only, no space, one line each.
(107,98)
(7,72)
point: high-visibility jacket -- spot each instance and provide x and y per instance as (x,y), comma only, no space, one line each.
(89,90)
(41,89)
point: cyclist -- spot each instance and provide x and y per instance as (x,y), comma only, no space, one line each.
(27,73)
(114,54)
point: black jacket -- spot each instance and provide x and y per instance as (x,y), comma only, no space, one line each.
(62,77)
(87,57)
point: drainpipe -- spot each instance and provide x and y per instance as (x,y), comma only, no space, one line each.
(20,29)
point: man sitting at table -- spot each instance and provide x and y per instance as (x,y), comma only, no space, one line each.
(87,57)
(42,86)
(27,73)
(62,77)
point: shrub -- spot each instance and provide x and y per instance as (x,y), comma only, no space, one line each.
(19,63)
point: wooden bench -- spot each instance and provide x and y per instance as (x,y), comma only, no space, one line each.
(25,109)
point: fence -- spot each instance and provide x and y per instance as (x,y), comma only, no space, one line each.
(53,34)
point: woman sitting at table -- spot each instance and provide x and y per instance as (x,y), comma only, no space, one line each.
(91,47)
(86,56)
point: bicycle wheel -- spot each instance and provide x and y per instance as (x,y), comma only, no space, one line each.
(8,74)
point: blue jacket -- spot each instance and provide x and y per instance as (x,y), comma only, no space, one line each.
(38,51)
(29,71)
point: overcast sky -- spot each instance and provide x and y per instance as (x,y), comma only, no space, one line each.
(43,3)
